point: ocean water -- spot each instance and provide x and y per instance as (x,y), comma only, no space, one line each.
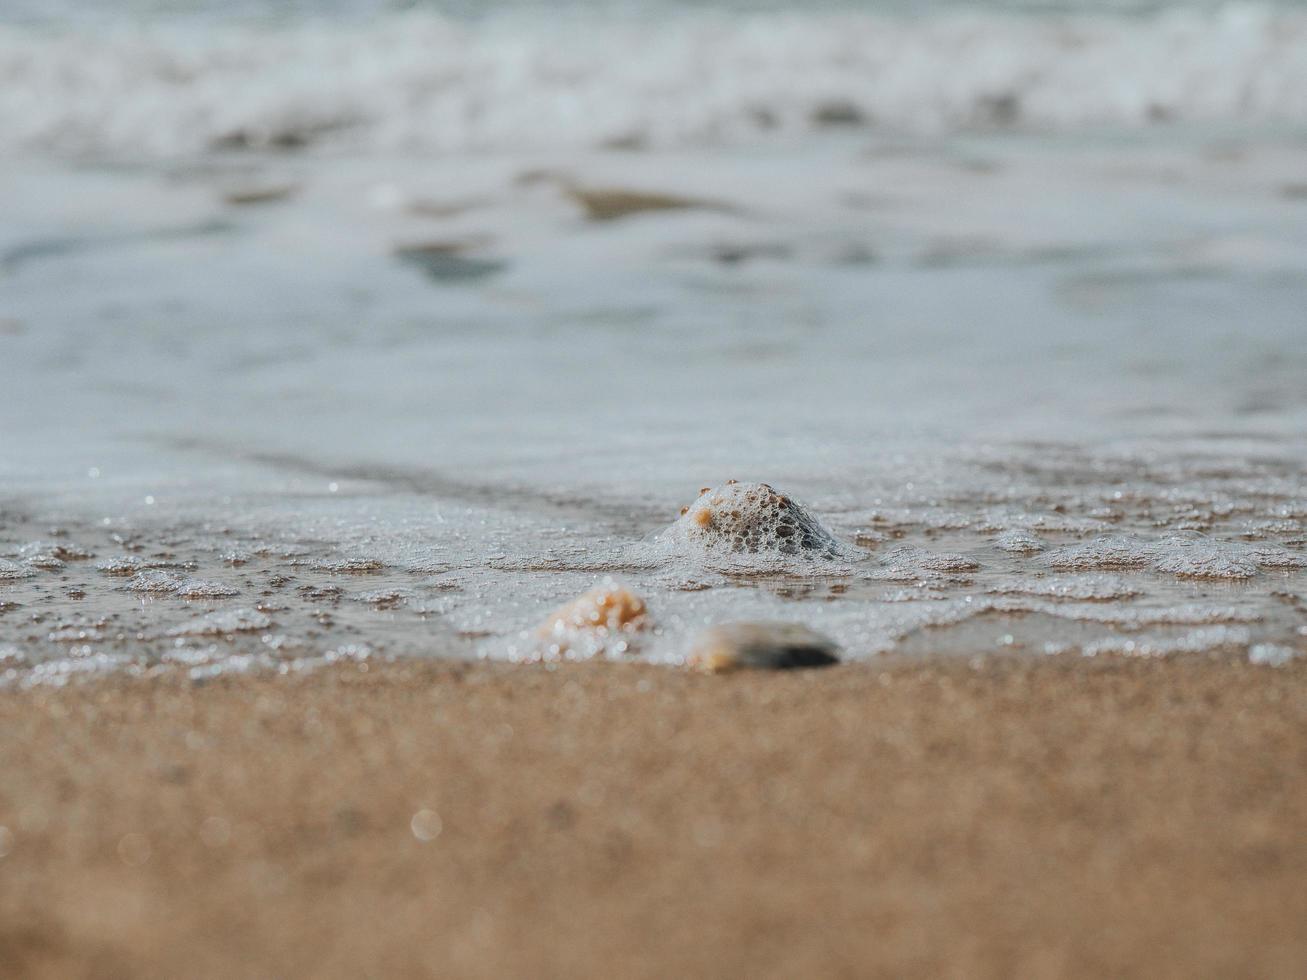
(361,330)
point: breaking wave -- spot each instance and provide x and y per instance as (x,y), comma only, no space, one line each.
(422,82)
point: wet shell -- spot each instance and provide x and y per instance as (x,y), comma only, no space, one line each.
(602,621)
(760,646)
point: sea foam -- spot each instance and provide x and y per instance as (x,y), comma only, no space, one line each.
(420,81)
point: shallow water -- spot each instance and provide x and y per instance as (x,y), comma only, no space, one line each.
(1045,381)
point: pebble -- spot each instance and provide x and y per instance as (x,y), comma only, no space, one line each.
(760,646)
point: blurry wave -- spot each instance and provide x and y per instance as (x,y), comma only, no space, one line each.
(420,81)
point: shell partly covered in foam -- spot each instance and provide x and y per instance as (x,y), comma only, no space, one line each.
(751,519)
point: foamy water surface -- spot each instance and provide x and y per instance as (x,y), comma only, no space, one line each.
(1033,350)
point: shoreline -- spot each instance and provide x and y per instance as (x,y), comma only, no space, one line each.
(1011,816)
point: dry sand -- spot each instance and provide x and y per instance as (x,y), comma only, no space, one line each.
(1052,818)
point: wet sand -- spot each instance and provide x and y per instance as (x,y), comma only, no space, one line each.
(1059,817)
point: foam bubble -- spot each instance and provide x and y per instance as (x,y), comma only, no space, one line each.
(383,598)
(350,566)
(156,582)
(1205,563)
(1277,558)
(57,673)
(1137,617)
(74,633)
(1018,542)
(1187,555)
(201,589)
(160,582)
(121,565)
(931,560)
(10,571)
(1102,552)
(1092,588)
(10,655)
(1273,654)
(1213,640)
(223,621)
(51,554)
(241,663)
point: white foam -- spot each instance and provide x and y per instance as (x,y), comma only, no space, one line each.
(1092,587)
(159,582)
(349,566)
(202,589)
(223,621)
(35,551)
(1138,617)
(383,598)
(57,673)
(156,582)
(10,571)
(120,565)
(1212,640)
(1018,542)
(1186,555)
(932,561)
(74,633)
(1212,562)
(237,664)
(1277,558)
(1103,552)
(418,81)
(1273,654)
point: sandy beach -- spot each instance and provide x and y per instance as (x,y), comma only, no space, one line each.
(1005,817)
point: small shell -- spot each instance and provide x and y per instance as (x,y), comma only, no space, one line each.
(601,622)
(606,606)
